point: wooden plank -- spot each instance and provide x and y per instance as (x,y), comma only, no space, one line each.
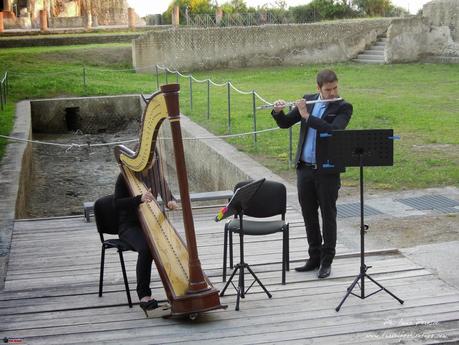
(57,293)
(238,330)
(279,291)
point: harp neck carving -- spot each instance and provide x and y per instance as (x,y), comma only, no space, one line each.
(154,115)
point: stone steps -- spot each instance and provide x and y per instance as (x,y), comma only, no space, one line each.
(373,54)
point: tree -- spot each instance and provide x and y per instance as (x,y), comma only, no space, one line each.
(374,8)
(318,10)
(239,6)
(190,7)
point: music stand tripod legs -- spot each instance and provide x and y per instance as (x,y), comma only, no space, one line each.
(240,289)
(363,268)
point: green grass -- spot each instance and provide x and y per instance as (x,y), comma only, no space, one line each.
(419,101)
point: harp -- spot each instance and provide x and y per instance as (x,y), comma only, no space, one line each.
(188,289)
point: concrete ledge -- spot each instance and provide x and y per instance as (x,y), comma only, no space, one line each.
(11,169)
(15,42)
(108,113)
(223,164)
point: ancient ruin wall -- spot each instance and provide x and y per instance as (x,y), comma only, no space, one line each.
(443,13)
(112,12)
(209,48)
(431,34)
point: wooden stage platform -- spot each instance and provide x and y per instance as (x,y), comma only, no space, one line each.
(51,294)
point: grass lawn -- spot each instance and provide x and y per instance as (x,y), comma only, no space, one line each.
(419,101)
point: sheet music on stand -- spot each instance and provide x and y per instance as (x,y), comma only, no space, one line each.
(240,200)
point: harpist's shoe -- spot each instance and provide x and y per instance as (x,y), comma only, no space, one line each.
(149,305)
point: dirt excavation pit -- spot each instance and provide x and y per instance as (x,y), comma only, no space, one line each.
(64,177)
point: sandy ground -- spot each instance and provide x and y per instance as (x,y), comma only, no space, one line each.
(401,232)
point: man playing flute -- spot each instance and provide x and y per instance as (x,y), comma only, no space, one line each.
(317,188)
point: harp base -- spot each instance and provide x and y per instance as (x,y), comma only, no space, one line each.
(196,303)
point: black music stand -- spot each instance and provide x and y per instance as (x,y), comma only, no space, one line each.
(357,148)
(237,205)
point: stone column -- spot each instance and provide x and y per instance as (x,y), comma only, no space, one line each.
(218,16)
(87,14)
(131,18)
(8,5)
(43,20)
(1,22)
(176,16)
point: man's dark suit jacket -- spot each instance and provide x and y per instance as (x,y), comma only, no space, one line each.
(336,116)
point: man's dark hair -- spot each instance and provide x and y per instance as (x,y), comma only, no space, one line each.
(326,76)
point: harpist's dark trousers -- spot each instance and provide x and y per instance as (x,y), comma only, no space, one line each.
(316,191)
(133,235)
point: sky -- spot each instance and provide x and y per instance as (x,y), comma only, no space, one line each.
(144,7)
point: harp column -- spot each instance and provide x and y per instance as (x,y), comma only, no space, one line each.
(196,279)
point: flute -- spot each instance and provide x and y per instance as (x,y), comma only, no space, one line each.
(288,104)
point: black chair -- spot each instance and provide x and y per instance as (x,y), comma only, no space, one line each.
(270,200)
(106,221)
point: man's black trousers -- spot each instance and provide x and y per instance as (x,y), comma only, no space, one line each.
(316,191)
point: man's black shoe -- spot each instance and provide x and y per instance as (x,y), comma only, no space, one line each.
(324,271)
(309,266)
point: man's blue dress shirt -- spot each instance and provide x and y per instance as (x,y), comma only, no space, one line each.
(309,149)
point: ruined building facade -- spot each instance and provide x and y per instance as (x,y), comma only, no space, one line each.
(64,13)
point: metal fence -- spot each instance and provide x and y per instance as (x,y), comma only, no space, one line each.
(3,90)
(237,19)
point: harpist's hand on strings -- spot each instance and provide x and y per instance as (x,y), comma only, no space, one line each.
(147,196)
(172,205)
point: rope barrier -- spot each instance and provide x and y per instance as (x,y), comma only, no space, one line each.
(88,144)
(228,84)
(212,82)
(151,66)
(240,91)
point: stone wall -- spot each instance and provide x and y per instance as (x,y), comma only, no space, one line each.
(66,22)
(112,12)
(210,48)
(14,172)
(406,40)
(422,37)
(59,40)
(92,114)
(443,13)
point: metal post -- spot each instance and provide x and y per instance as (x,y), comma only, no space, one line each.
(208,99)
(254,107)
(191,93)
(157,77)
(3,91)
(362,233)
(176,77)
(228,84)
(290,149)
(84,79)
(166,75)
(1,94)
